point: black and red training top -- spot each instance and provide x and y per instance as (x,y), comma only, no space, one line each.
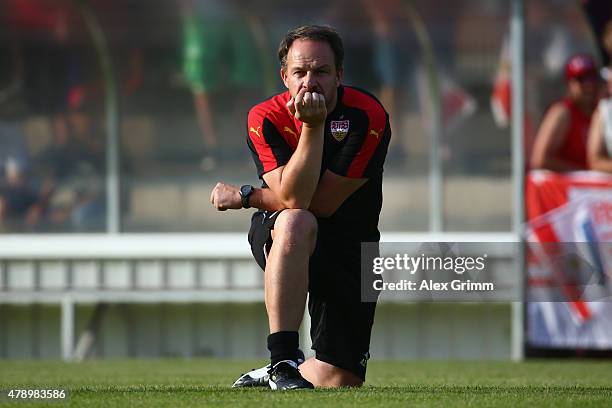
(357,135)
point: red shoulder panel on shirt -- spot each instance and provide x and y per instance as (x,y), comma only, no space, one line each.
(270,124)
(377,122)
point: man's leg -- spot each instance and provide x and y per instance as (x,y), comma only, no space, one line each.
(294,239)
(322,374)
(286,276)
(341,323)
(290,238)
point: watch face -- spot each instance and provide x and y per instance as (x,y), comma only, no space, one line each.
(245,190)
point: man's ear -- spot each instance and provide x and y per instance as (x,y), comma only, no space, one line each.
(283,75)
(339,76)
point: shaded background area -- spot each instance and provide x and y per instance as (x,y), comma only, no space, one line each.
(187,72)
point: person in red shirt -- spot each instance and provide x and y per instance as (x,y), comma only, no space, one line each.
(561,140)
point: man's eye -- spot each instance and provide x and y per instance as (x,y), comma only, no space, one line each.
(298,73)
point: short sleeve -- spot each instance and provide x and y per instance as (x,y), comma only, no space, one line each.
(268,148)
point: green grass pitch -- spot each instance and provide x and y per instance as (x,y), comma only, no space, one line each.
(205,383)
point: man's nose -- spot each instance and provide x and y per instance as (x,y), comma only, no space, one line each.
(309,82)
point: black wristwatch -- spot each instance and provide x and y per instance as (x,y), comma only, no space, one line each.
(245,193)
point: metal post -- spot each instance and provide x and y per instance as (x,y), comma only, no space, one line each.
(436,195)
(67,328)
(517,36)
(112,119)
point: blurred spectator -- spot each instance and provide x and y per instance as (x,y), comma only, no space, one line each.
(392,63)
(359,50)
(73,172)
(12,146)
(20,204)
(19,201)
(47,29)
(198,49)
(57,65)
(600,134)
(222,44)
(382,52)
(560,143)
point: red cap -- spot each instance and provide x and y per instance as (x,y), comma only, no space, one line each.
(580,66)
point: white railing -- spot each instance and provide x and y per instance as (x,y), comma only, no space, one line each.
(151,268)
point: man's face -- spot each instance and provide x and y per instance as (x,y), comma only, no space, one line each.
(311,65)
(584,89)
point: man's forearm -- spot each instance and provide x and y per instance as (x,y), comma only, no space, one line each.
(268,200)
(301,174)
(265,199)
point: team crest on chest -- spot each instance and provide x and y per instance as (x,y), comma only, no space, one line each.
(339,129)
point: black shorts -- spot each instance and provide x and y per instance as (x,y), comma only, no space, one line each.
(341,324)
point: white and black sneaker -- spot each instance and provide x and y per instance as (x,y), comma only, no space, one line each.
(258,377)
(286,376)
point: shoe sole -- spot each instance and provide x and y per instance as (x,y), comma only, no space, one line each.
(273,386)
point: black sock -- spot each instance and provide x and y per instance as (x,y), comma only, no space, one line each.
(283,345)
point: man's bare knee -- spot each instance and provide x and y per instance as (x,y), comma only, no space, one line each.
(296,226)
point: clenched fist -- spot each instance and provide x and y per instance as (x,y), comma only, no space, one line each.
(226,197)
(308,107)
